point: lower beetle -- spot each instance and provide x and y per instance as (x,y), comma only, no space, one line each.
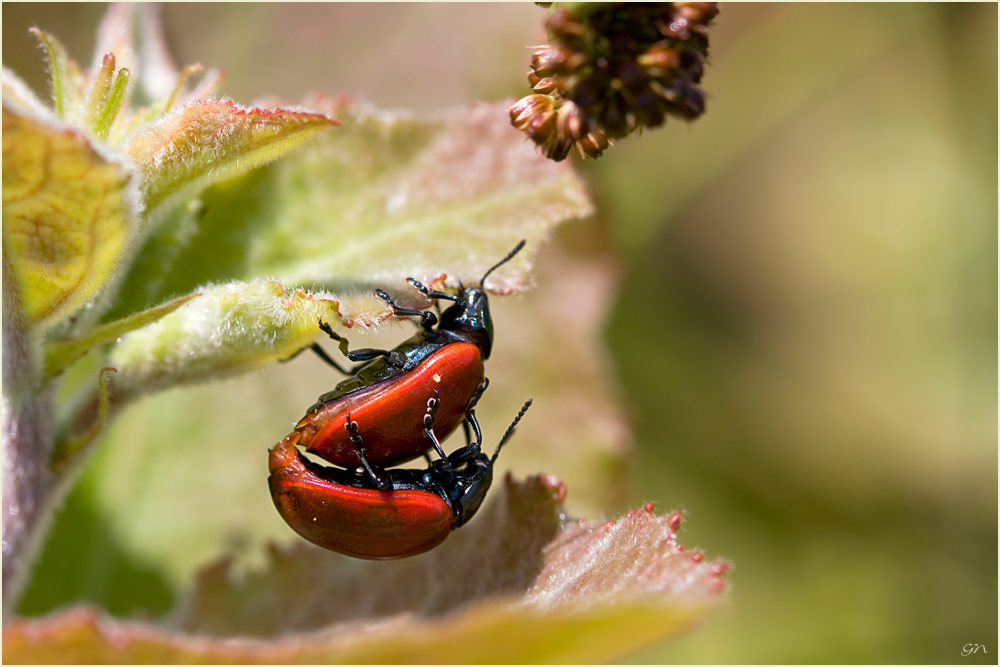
(391,388)
(380,514)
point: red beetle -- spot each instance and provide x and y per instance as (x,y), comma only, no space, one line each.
(390,391)
(374,513)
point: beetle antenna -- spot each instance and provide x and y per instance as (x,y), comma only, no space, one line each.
(510,429)
(503,261)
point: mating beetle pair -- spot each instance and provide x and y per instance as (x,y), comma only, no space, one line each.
(396,406)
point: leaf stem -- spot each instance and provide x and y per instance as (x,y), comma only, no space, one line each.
(27,487)
(27,444)
(60,354)
(70,448)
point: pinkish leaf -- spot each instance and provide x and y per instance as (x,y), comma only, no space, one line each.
(520,584)
(500,553)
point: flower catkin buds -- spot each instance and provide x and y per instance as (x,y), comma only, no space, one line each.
(556,131)
(535,116)
(611,70)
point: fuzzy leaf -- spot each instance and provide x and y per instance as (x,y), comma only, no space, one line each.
(450,194)
(384,198)
(206,141)
(68,214)
(517,585)
(231,329)
(60,354)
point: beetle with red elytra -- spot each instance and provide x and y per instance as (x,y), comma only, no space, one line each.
(397,405)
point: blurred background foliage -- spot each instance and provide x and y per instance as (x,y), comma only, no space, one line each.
(805,333)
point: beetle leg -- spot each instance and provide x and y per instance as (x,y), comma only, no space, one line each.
(364,354)
(479,394)
(470,420)
(432,293)
(427,318)
(380,482)
(297,353)
(470,417)
(321,353)
(471,449)
(432,406)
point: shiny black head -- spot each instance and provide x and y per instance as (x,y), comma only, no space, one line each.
(470,316)
(467,486)
(470,475)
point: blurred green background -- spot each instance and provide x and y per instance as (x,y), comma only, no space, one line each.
(805,332)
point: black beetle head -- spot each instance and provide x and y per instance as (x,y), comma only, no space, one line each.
(472,484)
(464,482)
(470,316)
(470,475)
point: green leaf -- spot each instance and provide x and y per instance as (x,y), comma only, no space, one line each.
(68,214)
(60,354)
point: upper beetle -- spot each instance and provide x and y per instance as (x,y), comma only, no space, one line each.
(389,392)
(380,514)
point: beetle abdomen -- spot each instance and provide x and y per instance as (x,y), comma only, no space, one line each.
(390,414)
(357,522)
